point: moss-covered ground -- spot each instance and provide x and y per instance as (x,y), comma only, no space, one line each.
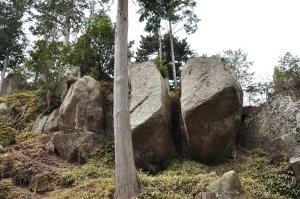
(24,154)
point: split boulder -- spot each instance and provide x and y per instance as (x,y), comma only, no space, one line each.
(150,117)
(211,104)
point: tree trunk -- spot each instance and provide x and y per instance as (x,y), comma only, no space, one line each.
(126,181)
(3,72)
(67,30)
(160,45)
(173,56)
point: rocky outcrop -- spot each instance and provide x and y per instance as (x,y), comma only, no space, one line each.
(82,107)
(150,117)
(274,126)
(76,147)
(84,120)
(46,123)
(227,187)
(211,103)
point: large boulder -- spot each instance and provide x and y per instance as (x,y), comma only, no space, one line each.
(227,187)
(150,117)
(77,146)
(274,126)
(211,104)
(82,107)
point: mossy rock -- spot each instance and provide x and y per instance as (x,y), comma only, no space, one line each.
(44,182)
(7,136)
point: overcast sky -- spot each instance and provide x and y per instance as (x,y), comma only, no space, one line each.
(265,29)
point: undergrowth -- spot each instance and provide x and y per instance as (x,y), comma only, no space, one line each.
(182,179)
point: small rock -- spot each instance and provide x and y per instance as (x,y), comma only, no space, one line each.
(211,174)
(227,187)
(295,165)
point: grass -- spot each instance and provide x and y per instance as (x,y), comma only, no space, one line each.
(182,179)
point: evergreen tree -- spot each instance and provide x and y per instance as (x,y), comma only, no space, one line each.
(174,12)
(287,72)
(93,52)
(12,38)
(149,48)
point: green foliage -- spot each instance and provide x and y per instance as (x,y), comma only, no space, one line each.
(237,61)
(94,51)
(12,38)
(162,67)
(149,47)
(276,179)
(174,11)
(105,155)
(287,72)
(48,64)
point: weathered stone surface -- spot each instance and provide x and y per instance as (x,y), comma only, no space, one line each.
(39,124)
(7,109)
(274,126)
(46,123)
(295,165)
(206,195)
(76,146)
(227,187)
(211,104)
(150,117)
(82,107)
(11,84)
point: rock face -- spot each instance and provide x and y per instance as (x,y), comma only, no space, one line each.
(211,104)
(274,126)
(227,187)
(46,123)
(84,120)
(82,107)
(150,117)
(76,146)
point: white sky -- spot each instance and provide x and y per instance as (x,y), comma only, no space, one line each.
(265,29)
